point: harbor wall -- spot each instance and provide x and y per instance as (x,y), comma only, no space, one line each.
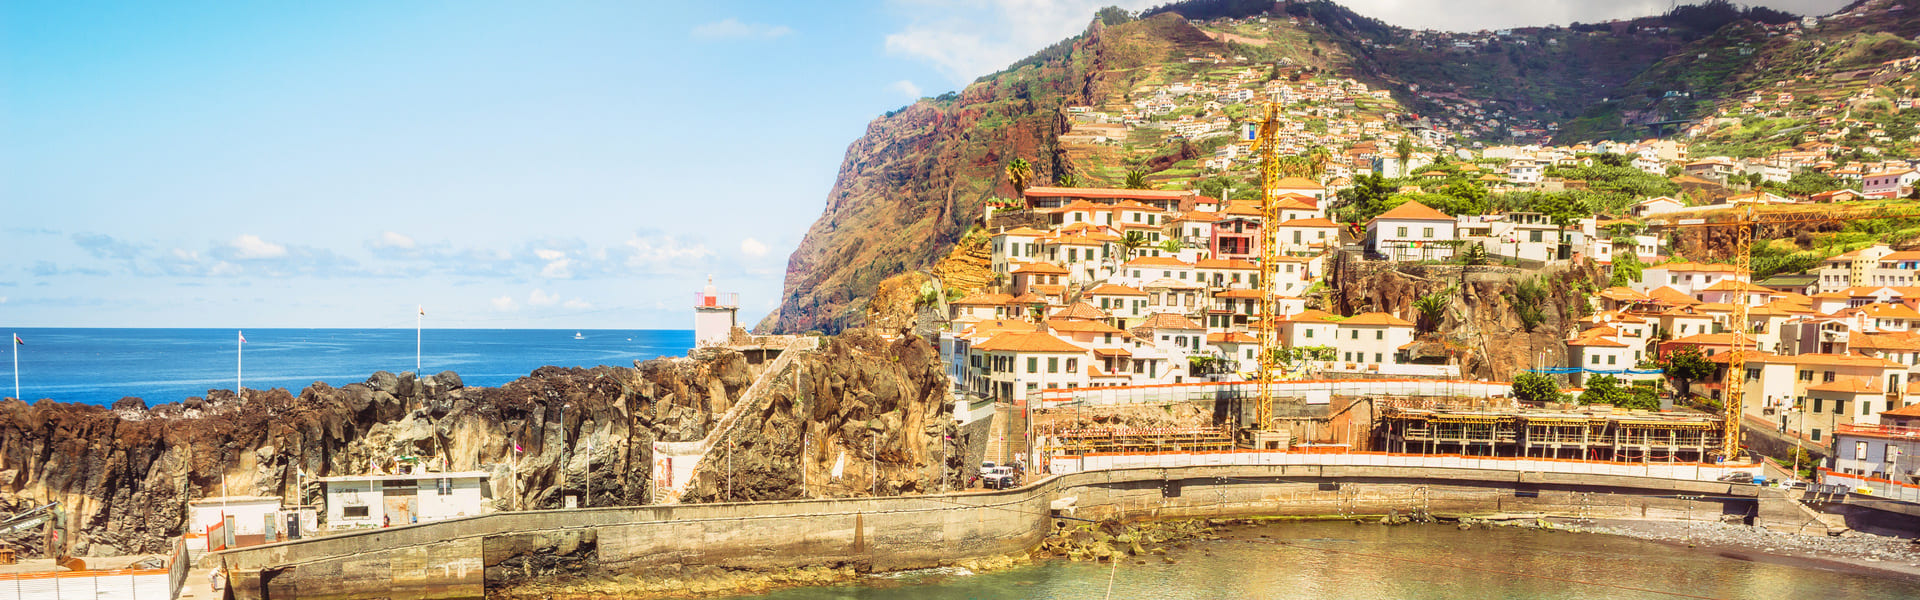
(461,558)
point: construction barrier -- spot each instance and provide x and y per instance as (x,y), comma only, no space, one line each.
(1874,486)
(127,584)
(1315,391)
(1339,456)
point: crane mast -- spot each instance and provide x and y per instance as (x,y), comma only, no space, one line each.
(1736,379)
(1266,143)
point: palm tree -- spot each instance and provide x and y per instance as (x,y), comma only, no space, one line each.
(1137,179)
(1295,166)
(1318,158)
(1066,180)
(1132,242)
(1021,174)
(1404,148)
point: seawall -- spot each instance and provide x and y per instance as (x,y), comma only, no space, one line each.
(466,558)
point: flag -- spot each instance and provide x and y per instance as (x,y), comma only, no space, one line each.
(423,309)
(516,447)
(17,340)
(243,337)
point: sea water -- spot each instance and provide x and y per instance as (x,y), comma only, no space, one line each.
(99,366)
(1312,561)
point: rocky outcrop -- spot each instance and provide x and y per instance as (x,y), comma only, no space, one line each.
(910,187)
(124,475)
(1480,323)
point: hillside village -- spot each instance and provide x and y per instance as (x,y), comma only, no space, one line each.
(1159,282)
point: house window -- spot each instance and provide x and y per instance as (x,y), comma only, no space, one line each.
(1033,364)
(1594,360)
(1611,358)
(1380,335)
(1827,377)
(445,486)
(1426,232)
(1859,450)
(1533,236)
(355,512)
(1309,334)
(1053,364)
(1753,374)
(1817,404)
(1816,432)
(1073,365)
(1376,357)
(1839,407)
(1402,232)
(1354,335)
(1806,375)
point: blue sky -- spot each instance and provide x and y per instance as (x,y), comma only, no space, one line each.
(568,165)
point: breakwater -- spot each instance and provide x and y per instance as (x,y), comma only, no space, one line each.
(472,557)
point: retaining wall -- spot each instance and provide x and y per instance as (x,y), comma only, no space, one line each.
(450,559)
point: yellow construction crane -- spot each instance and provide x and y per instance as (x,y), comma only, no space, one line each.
(1734,382)
(1266,143)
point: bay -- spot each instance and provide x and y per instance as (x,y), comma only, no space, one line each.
(1336,560)
(99,366)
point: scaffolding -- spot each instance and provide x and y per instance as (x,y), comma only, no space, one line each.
(1582,435)
(1083,441)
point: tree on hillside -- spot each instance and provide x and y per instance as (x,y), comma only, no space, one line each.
(1404,148)
(1137,179)
(1020,174)
(1170,246)
(1535,387)
(1132,242)
(1603,389)
(1318,158)
(1686,365)
(1066,180)
(1291,359)
(1433,308)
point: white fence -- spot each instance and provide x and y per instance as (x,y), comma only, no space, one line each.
(144,584)
(1874,486)
(1318,391)
(1681,471)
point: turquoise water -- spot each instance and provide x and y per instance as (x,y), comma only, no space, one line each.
(1341,560)
(99,366)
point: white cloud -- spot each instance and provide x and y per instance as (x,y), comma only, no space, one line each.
(393,240)
(549,255)
(732,29)
(752,247)
(250,246)
(559,269)
(906,88)
(3,299)
(659,252)
(577,304)
(505,304)
(542,298)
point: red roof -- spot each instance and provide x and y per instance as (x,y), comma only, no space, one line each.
(1114,289)
(1027,342)
(1377,318)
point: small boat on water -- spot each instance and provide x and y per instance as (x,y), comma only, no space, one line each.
(577,336)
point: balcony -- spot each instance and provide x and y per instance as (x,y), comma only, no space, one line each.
(1882,430)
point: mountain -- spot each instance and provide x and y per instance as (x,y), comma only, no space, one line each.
(914,185)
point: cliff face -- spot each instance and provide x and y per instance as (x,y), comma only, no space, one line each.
(911,186)
(124,476)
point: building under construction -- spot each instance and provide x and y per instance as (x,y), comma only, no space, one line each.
(1584,434)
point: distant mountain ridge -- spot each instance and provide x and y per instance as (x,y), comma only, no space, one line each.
(921,176)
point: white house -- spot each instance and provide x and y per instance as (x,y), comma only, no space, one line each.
(361,501)
(1412,231)
(1372,340)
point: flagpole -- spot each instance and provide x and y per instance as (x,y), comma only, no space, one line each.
(239,352)
(416,338)
(15,342)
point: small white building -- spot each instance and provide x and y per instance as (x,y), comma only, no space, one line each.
(361,501)
(236,521)
(714,316)
(1412,231)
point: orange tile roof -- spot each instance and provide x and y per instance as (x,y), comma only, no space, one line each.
(1040,268)
(1199,217)
(1079,310)
(1081,326)
(1598,337)
(1014,341)
(1111,352)
(1226,263)
(1667,295)
(1313,222)
(1848,385)
(1694,267)
(1231,337)
(1377,318)
(1413,210)
(1114,289)
(1027,231)
(1157,261)
(1169,321)
(1728,285)
(1297,183)
(1623,294)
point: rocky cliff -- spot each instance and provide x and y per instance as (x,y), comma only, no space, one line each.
(912,185)
(124,475)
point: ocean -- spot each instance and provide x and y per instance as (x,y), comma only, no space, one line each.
(99,366)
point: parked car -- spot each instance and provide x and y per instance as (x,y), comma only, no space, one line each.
(1737,477)
(999,478)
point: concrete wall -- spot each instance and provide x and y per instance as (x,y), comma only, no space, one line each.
(450,559)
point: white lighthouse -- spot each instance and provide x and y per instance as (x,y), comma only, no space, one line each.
(714,316)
